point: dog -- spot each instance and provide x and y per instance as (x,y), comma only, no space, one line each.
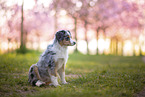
(52,61)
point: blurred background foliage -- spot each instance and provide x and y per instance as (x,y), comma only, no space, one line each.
(115,27)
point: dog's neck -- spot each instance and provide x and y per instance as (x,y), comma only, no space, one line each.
(57,46)
(61,51)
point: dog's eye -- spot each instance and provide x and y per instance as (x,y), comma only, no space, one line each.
(67,38)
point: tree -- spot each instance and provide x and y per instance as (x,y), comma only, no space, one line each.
(102,18)
(55,7)
(36,20)
(84,17)
(131,19)
(72,11)
(22,45)
(114,13)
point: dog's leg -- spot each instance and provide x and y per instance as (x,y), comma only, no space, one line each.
(53,75)
(39,82)
(37,72)
(61,72)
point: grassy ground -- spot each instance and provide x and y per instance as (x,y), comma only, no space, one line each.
(99,76)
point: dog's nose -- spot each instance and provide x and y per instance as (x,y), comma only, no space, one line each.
(74,43)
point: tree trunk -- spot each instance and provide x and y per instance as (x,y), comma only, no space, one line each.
(22,18)
(97,39)
(9,44)
(23,43)
(55,17)
(75,30)
(117,46)
(115,43)
(104,33)
(122,47)
(86,39)
(134,53)
(140,51)
(111,46)
(39,42)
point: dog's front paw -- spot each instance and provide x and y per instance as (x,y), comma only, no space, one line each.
(55,85)
(65,83)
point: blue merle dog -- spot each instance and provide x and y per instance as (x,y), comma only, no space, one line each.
(52,61)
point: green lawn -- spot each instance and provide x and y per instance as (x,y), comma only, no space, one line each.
(99,76)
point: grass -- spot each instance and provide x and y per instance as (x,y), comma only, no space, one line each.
(99,76)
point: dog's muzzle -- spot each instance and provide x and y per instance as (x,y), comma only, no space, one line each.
(72,42)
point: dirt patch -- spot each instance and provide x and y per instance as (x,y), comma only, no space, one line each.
(141,94)
(143,58)
(73,75)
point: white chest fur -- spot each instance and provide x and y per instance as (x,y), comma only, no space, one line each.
(60,63)
(61,52)
(61,56)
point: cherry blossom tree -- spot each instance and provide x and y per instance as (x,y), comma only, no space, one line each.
(71,7)
(115,13)
(84,17)
(24,22)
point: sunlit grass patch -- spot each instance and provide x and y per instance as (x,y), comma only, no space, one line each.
(88,76)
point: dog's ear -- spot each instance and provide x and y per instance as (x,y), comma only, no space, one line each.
(69,32)
(60,35)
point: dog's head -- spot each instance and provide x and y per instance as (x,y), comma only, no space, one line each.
(64,38)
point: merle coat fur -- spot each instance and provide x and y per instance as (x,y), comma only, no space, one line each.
(52,61)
